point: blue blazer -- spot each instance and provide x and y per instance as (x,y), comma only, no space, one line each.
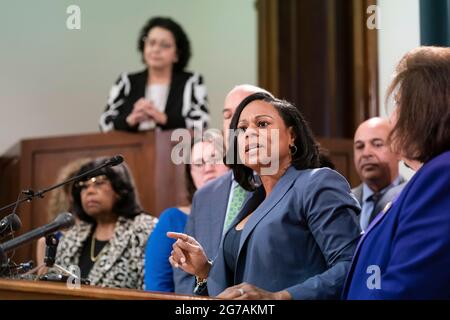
(405,253)
(158,273)
(301,238)
(205,224)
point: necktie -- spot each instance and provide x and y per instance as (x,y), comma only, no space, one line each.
(367,210)
(237,199)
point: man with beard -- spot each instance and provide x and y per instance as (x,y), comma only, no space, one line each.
(377,167)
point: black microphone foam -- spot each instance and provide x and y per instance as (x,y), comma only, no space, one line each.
(10,223)
(62,221)
(114,161)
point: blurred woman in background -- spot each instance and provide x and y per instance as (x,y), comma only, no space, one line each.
(163,95)
(205,164)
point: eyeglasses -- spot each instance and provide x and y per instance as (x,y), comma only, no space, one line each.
(152,43)
(96,182)
(211,161)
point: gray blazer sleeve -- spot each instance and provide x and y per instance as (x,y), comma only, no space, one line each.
(328,208)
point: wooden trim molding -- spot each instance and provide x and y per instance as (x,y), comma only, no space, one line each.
(267,11)
(365,63)
(39,290)
(320,55)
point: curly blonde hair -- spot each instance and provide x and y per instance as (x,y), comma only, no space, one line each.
(61,198)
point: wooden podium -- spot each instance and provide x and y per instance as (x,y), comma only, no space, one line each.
(37,290)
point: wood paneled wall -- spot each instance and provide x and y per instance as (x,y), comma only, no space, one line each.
(320,55)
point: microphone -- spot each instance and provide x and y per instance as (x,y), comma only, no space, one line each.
(50,251)
(30,194)
(114,161)
(10,223)
(62,221)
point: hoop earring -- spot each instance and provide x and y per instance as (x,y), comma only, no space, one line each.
(293,149)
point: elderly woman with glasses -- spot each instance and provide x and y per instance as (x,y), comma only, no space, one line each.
(108,243)
(163,95)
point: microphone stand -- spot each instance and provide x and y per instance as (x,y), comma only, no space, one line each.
(30,194)
(62,221)
(5,264)
(11,270)
(51,242)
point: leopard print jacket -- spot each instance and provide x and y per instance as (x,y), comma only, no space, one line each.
(121,262)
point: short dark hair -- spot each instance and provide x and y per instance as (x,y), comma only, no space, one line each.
(181,40)
(422,86)
(306,156)
(122,183)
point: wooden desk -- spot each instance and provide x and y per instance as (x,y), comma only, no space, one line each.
(36,290)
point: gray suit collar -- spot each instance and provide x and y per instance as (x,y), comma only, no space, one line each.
(218,202)
(358,193)
(388,196)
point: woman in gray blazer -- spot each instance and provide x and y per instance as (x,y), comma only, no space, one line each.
(295,237)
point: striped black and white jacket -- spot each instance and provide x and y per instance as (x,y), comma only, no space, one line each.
(186,107)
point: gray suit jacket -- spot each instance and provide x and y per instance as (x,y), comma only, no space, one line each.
(383,201)
(205,224)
